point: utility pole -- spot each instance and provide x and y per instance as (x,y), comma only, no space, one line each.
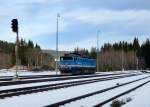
(137,63)
(122,57)
(97,67)
(56,69)
(137,60)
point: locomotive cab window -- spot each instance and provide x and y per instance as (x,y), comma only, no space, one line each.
(66,58)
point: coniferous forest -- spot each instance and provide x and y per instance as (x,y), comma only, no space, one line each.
(121,55)
(111,56)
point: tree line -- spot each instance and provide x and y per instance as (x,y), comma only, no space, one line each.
(121,55)
(111,56)
(30,55)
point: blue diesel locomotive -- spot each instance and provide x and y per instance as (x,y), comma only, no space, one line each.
(74,63)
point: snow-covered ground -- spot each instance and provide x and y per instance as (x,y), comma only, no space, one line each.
(139,98)
(54,82)
(95,99)
(11,72)
(53,96)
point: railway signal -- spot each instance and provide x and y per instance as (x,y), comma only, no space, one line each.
(15,30)
(14,25)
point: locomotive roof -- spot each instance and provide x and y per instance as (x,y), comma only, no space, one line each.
(76,55)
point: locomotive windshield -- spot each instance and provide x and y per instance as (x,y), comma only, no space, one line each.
(65,58)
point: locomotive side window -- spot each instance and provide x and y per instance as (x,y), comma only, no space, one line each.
(75,58)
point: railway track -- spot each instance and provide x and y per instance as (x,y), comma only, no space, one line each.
(121,94)
(46,79)
(67,101)
(10,78)
(35,89)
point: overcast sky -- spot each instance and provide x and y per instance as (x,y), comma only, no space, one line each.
(79,21)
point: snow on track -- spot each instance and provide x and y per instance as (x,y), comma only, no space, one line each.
(53,96)
(59,76)
(95,99)
(139,98)
(54,82)
(10,72)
